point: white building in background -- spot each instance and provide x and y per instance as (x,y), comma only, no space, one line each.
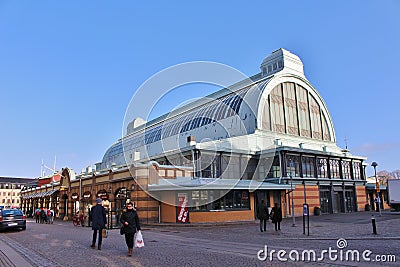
(10,188)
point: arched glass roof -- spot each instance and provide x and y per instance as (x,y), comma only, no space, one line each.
(281,101)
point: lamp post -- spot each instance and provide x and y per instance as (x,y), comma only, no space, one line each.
(291,189)
(378,202)
(191,140)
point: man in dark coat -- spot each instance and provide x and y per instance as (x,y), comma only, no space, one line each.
(130,222)
(262,214)
(37,215)
(99,222)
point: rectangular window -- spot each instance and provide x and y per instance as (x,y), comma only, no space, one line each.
(275,170)
(334,166)
(304,113)
(229,201)
(307,166)
(322,168)
(277,110)
(346,169)
(357,170)
(240,199)
(199,200)
(293,165)
(315,118)
(209,165)
(290,108)
(203,200)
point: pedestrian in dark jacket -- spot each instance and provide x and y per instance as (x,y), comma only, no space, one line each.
(130,222)
(37,215)
(276,216)
(262,214)
(99,222)
(43,216)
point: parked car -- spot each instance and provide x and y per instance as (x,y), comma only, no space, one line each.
(12,219)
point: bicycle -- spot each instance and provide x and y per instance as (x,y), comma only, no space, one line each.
(75,220)
(78,220)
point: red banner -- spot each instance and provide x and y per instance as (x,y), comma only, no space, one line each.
(183,207)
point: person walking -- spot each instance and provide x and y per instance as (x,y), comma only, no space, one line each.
(37,215)
(43,216)
(276,216)
(46,217)
(130,222)
(99,222)
(262,214)
(51,218)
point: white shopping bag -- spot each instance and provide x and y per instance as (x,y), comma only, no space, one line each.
(138,242)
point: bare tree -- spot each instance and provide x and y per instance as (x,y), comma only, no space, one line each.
(396,174)
(384,176)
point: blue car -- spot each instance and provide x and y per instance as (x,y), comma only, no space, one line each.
(12,219)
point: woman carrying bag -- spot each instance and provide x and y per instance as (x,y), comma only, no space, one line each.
(130,223)
(276,216)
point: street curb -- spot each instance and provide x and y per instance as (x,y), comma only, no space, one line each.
(10,257)
(199,224)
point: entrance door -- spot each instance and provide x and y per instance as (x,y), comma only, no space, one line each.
(336,202)
(324,201)
(277,198)
(350,201)
(261,195)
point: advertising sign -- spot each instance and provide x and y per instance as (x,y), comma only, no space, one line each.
(183,208)
(87,195)
(102,194)
(74,196)
(305,209)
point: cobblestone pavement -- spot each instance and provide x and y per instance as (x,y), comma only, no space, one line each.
(62,244)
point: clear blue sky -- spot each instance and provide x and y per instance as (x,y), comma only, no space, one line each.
(68,69)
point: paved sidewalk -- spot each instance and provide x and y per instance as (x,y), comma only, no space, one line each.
(201,244)
(10,258)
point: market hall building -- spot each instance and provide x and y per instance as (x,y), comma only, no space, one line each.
(267,137)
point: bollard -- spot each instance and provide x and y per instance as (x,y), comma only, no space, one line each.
(373,224)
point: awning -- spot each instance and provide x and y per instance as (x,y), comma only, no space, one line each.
(49,193)
(372,186)
(41,194)
(213,184)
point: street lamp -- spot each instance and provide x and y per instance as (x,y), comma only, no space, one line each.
(291,189)
(378,202)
